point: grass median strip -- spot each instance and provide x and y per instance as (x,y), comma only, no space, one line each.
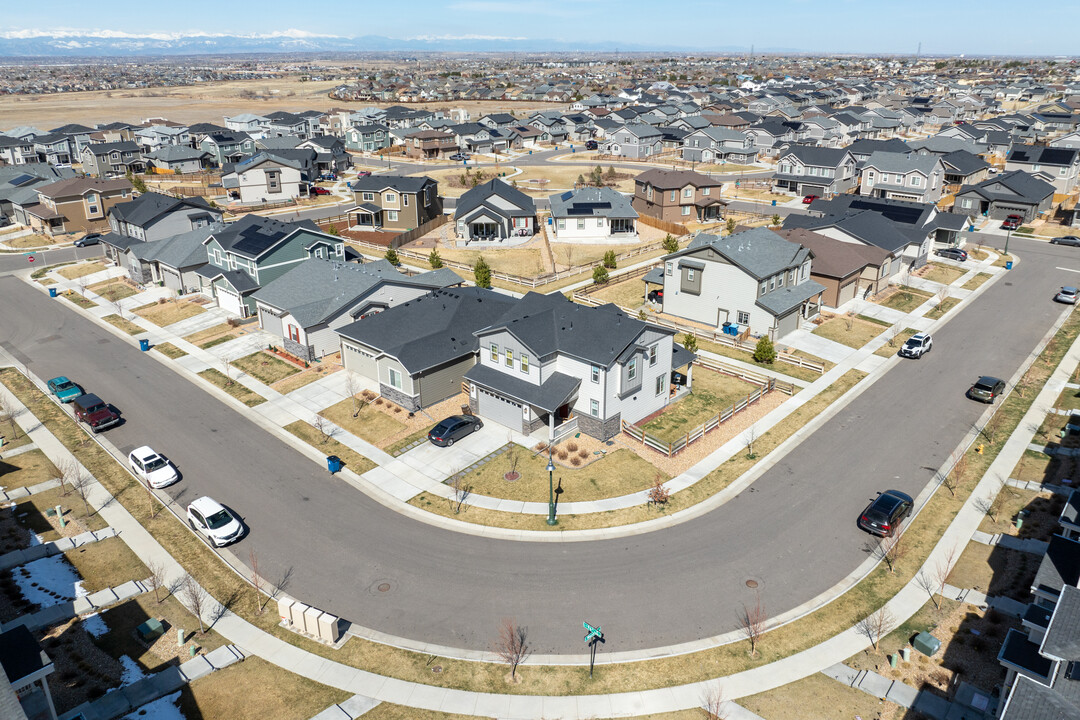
(79,300)
(942,307)
(329,446)
(976,281)
(169,350)
(840,614)
(238,391)
(124,324)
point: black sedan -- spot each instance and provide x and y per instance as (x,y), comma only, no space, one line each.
(953,254)
(454,428)
(1066,240)
(884,515)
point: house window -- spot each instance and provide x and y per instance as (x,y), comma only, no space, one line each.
(395,378)
(509,357)
(391,215)
(594,408)
(791,277)
(648,192)
(562,224)
(405,200)
(494,352)
(294,333)
(870,176)
(772,283)
(659,384)
(93,209)
(690,274)
(673,195)
(688,192)
(764,287)
(916,181)
(369,197)
(742,317)
(965,202)
(667,269)
(596,373)
(599,222)
(524,363)
(389,197)
(685,209)
(705,191)
(780,280)
(580,224)
(652,356)
(631,369)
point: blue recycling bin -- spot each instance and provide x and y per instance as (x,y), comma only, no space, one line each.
(1008,264)
(348,185)
(334,464)
(774,203)
(530,152)
(52,292)
(144,344)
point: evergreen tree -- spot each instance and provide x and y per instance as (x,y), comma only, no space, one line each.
(765,352)
(482,273)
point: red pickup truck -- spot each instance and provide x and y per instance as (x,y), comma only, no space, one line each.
(93,411)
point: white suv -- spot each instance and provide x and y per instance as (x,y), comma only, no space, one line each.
(208,517)
(917,345)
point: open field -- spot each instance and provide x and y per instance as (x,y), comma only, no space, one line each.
(208,102)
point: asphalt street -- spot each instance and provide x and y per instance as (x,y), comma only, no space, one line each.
(793,531)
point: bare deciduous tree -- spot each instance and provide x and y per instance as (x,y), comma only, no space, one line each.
(195,598)
(69,473)
(326,430)
(891,334)
(942,295)
(226,368)
(891,550)
(750,436)
(353,388)
(926,581)
(876,626)
(83,281)
(513,454)
(658,493)
(943,570)
(7,414)
(849,320)
(752,623)
(955,477)
(462,491)
(256,581)
(81,485)
(152,501)
(156,581)
(713,703)
(512,645)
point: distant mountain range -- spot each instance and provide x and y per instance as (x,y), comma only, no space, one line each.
(89,43)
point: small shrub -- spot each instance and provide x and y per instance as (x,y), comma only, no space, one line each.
(378,401)
(571,446)
(670,244)
(233,322)
(562,454)
(583,453)
(392,256)
(600,275)
(162,301)
(541,447)
(610,261)
(765,352)
(575,461)
(397,409)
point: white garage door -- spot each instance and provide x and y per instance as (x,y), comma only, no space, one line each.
(503,411)
(230,301)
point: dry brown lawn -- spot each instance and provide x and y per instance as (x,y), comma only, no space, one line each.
(940,273)
(238,391)
(202,337)
(28,242)
(628,293)
(106,563)
(861,332)
(891,348)
(372,424)
(124,324)
(113,290)
(826,698)
(72,272)
(976,281)
(265,368)
(26,469)
(166,313)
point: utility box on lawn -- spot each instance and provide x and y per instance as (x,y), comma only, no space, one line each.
(150,630)
(927,644)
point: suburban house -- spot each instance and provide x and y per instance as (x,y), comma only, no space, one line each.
(230,147)
(847,270)
(755,279)
(593,215)
(494,211)
(255,250)
(173,261)
(367,138)
(1061,166)
(24,676)
(430,144)
(54,149)
(330,155)
(80,204)
(678,196)
(419,351)
(285,124)
(153,216)
(809,170)
(177,159)
(718,145)
(17,151)
(311,300)
(548,360)
(963,168)
(1010,193)
(394,202)
(112,159)
(249,123)
(156,137)
(897,176)
(265,178)
(635,140)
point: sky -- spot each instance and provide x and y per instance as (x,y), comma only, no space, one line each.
(944,27)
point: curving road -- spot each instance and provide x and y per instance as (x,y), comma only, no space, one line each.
(793,531)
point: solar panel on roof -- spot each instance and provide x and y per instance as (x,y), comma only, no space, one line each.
(1057,156)
(592,205)
(566,195)
(579,211)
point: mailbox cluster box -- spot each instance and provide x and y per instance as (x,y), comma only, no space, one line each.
(311,621)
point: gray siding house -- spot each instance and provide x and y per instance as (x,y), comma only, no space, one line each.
(153,216)
(1011,193)
(173,261)
(807,170)
(112,159)
(494,211)
(635,140)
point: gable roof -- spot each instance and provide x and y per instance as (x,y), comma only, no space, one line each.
(499,197)
(83,185)
(316,290)
(834,258)
(903,163)
(817,156)
(865,225)
(179,251)
(964,162)
(1011,186)
(149,206)
(675,179)
(253,236)
(400,183)
(177,153)
(759,252)
(120,146)
(591,202)
(433,329)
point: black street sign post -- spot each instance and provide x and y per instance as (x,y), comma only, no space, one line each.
(593,635)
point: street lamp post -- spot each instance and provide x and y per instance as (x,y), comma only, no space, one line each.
(551,490)
(1008,235)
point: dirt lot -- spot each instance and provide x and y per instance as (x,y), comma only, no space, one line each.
(203,103)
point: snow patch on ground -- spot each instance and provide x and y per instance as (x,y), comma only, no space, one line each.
(161,709)
(95,625)
(48,581)
(131,671)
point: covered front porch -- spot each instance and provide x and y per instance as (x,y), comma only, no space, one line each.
(521,405)
(365,217)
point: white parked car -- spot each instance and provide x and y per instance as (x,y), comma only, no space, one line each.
(917,345)
(210,518)
(151,468)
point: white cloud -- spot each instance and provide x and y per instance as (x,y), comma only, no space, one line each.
(27,34)
(429,38)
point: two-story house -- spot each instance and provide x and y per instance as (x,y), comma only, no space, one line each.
(256,250)
(112,159)
(1060,166)
(153,216)
(265,178)
(718,145)
(1010,193)
(593,215)
(330,155)
(80,204)
(547,360)
(17,151)
(228,147)
(754,279)
(248,123)
(635,140)
(678,196)
(430,144)
(156,137)
(54,149)
(494,212)
(808,170)
(285,124)
(393,202)
(312,300)
(903,176)
(177,159)
(367,138)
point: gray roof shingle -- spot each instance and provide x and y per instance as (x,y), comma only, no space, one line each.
(591,202)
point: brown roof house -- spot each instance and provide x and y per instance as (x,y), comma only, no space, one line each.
(678,196)
(847,270)
(430,144)
(79,204)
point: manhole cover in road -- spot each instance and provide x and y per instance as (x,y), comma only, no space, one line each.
(385,587)
(382,586)
(751,584)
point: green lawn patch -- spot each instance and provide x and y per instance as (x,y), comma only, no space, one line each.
(264,367)
(238,391)
(942,307)
(710,393)
(851,331)
(906,299)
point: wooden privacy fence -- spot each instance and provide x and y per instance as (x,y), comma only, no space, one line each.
(765,386)
(669,227)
